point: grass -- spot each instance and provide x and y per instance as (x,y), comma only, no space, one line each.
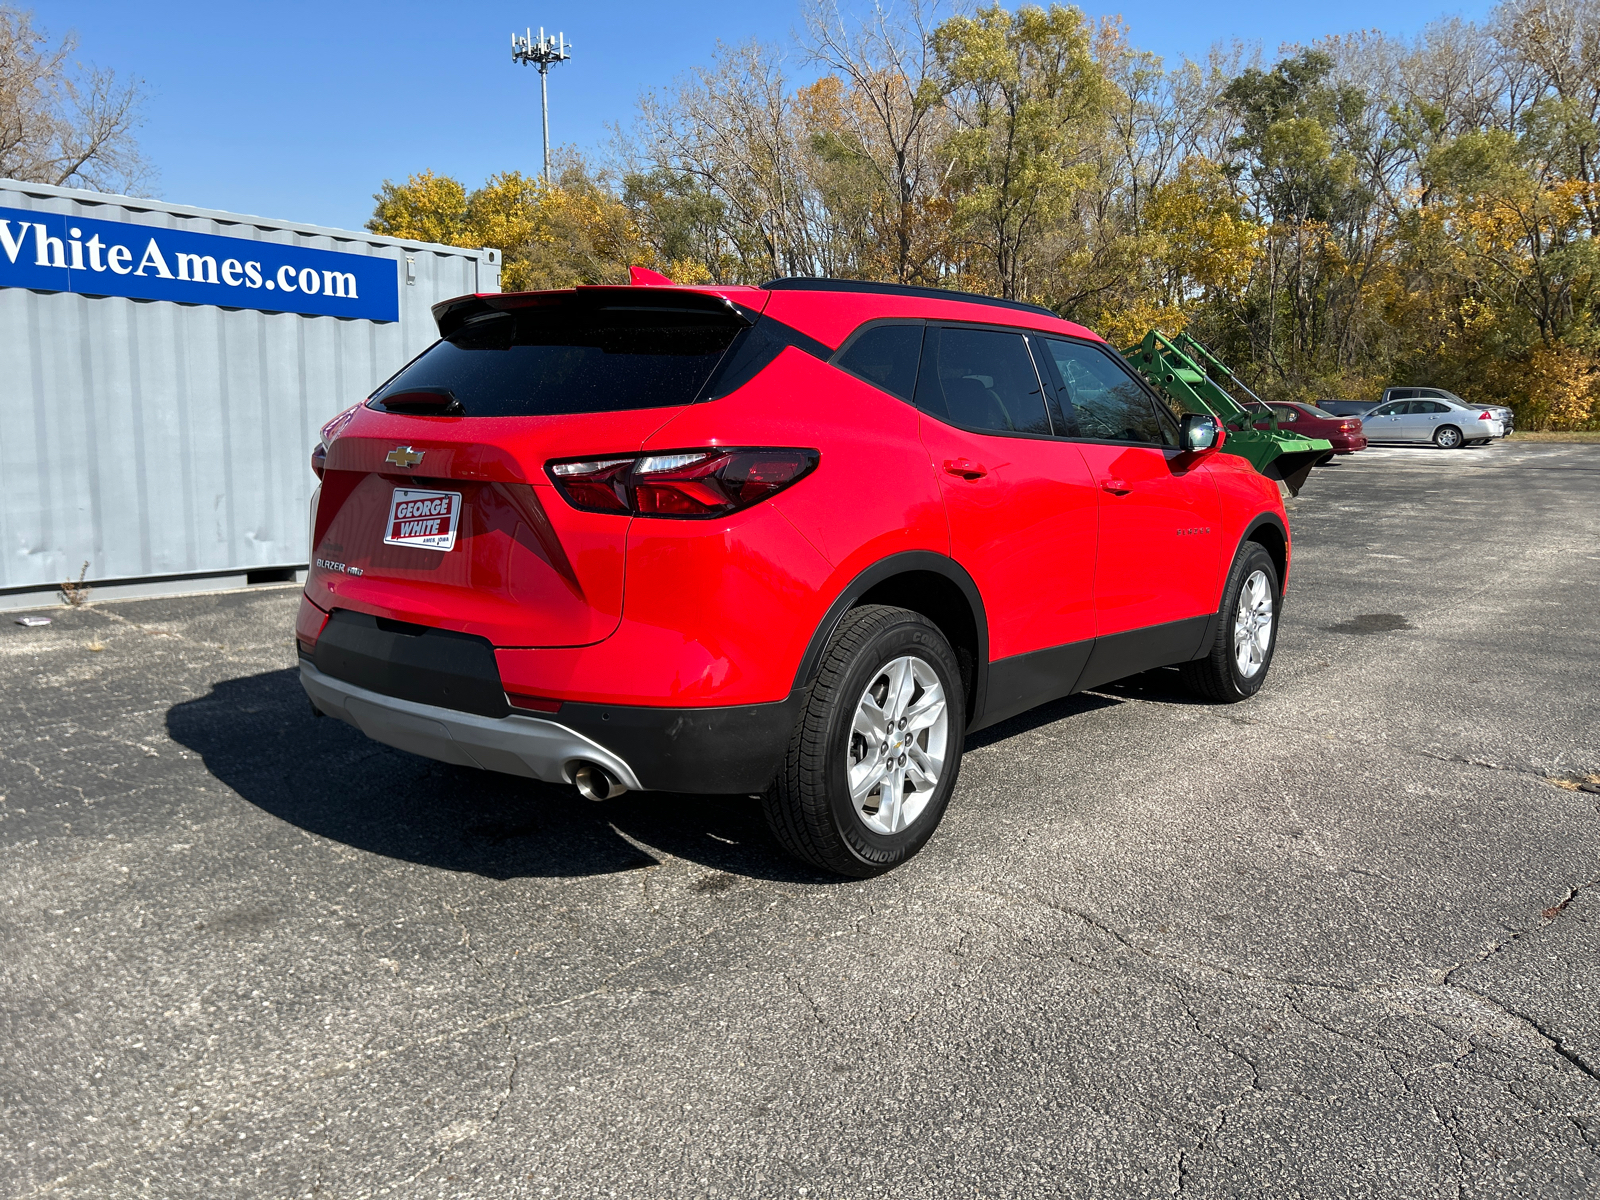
(1575,435)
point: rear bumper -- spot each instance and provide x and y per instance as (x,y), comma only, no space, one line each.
(733,749)
(514,745)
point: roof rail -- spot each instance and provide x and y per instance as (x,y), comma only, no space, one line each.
(805,283)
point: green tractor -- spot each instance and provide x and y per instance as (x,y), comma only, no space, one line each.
(1174,366)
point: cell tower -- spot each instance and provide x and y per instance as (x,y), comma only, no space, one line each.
(541,53)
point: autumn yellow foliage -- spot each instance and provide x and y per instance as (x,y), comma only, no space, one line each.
(550,236)
(1360,212)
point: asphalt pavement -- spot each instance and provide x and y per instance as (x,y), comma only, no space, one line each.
(1340,940)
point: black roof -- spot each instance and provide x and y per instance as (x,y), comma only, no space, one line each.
(802,283)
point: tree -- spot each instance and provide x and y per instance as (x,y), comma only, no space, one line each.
(1031,104)
(550,235)
(426,208)
(1363,211)
(731,129)
(62,123)
(1560,41)
(882,113)
(680,221)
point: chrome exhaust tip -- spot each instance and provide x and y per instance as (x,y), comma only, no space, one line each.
(594,782)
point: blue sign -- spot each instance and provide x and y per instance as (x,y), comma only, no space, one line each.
(51,252)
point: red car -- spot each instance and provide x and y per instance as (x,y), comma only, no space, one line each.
(794,541)
(1310,421)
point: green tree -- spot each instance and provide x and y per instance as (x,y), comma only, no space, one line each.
(1031,105)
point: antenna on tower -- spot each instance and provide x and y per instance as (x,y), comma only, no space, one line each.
(542,52)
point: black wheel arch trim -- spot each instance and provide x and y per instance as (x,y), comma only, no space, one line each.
(1277,523)
(902,563)
(1215,620)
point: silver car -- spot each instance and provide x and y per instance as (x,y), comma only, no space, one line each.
(1447,423)
(1506,415)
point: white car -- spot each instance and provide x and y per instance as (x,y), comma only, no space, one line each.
(1447,423)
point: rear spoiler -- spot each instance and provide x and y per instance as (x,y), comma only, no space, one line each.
(451,315)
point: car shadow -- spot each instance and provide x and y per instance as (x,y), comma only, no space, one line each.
(1164,685)
(256,734)
(1045,714)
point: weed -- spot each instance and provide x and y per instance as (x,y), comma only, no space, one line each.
(76,593)
(1579,783)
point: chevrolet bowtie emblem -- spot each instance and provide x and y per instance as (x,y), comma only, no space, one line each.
(404,456)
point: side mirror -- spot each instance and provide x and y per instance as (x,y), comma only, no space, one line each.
(1197,434)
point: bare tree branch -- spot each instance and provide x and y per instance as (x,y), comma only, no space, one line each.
(62,122)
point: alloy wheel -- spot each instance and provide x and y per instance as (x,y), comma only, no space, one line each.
(1252,625)
(898,742)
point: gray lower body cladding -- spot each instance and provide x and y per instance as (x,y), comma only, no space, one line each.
(533,747)
(709,750)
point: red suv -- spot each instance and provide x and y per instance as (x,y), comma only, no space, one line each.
(794,541)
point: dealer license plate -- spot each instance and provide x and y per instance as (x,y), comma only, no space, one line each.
(427,520)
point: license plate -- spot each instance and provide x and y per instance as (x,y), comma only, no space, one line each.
(427,520)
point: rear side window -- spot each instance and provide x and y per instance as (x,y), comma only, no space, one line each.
(887,356)
(1284,413)
(981,379)
(1107,402)
(540,362)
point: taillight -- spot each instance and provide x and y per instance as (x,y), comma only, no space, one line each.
(681,483)
(596,484)
(1484,417)
(329,431)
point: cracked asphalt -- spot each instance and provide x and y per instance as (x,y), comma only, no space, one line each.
(1340,940)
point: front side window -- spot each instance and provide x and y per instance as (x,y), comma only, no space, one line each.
(1106,400)
(1389,410)
(885,356)
(1285,413)
(981,379)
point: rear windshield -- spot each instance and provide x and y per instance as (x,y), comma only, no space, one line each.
(547,362)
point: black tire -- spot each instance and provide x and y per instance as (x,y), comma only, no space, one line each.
(1448,437)
(808,806)
(1217,677)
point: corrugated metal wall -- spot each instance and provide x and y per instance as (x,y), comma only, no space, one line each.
(150,438)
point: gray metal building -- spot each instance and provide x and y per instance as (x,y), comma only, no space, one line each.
(168,440)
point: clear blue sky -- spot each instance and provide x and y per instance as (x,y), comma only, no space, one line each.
(300,111)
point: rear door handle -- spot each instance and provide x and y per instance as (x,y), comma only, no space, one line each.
(965,468)
(1115,486)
